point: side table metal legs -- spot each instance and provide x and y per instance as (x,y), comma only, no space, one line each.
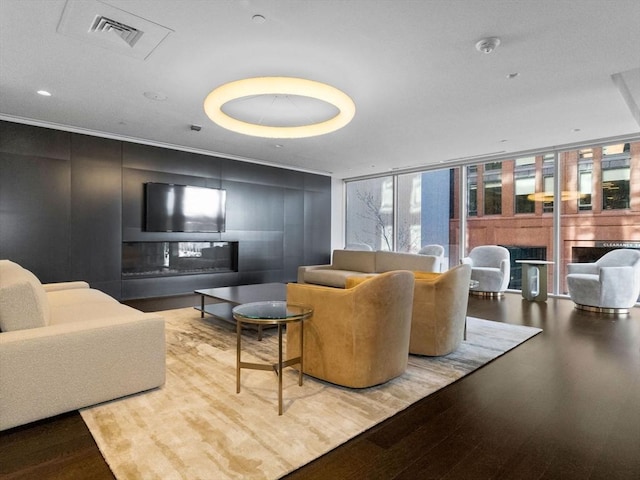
(276,367)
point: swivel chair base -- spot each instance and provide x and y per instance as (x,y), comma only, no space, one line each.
(478,293)
(605,310)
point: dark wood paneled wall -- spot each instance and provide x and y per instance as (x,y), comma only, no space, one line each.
(68,201)
(35,199)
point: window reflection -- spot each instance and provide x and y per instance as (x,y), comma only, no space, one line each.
(615,177)
(493,188)
(525,184)
(472,190)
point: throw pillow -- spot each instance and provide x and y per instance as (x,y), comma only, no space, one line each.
(20,308)
(11,272)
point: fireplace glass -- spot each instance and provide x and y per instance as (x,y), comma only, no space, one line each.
(158,259)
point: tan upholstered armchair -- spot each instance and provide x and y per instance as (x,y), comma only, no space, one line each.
(439,311)
(357,337)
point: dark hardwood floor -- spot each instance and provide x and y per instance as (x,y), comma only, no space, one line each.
(564,405)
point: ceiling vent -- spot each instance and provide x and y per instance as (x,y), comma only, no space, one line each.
(129,34)
(103,25)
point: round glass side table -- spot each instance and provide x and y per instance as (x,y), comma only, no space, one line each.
(270,313)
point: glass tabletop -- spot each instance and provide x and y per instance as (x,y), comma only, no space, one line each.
(271,312)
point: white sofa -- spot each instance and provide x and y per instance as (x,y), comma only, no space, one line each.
(64,346)
(351,263)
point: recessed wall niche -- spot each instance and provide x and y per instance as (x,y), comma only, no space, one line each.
(166,259)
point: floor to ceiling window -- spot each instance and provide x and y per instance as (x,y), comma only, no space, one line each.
(606,213)
(519,213)
(510,202)
(423,210)
(472,190)
(585,178)
(616,160)
(524,177)
(548,181)
(492,181)
(402,213)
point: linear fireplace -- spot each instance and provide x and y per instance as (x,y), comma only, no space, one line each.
(161,259)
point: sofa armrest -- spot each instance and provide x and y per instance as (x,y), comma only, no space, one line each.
(618,287)
(305,268)
(54,287)
(505,266)
(58,368)
(589,268)
(620,277)
(466,261)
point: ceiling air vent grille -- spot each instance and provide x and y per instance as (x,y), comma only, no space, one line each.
(129,34)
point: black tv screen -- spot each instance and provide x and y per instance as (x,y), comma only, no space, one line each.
(183,208)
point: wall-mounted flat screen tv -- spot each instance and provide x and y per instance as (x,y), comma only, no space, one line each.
(183,208)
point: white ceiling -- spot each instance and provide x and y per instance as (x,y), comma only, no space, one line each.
(423,93)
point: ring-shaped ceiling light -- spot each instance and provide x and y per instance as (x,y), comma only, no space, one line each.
(279,86)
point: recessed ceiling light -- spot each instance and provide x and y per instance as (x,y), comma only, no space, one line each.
(278,145)
(504,140)
(285,86)
(576,130)
(259,19)
(513,75)
(44,93)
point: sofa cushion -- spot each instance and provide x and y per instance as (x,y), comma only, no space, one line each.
(389,261)
(355,280)
(58,298)
(85,304)
(331,277)
(12,273)
(354,260)
(20,308)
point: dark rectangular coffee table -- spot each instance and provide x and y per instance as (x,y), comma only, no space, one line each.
(229,297)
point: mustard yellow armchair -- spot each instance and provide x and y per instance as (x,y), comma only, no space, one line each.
(357,337)
(440,311)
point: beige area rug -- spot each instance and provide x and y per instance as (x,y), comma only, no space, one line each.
(197,427)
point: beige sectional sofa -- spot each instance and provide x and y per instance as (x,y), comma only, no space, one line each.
(350,263)
(65,346)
